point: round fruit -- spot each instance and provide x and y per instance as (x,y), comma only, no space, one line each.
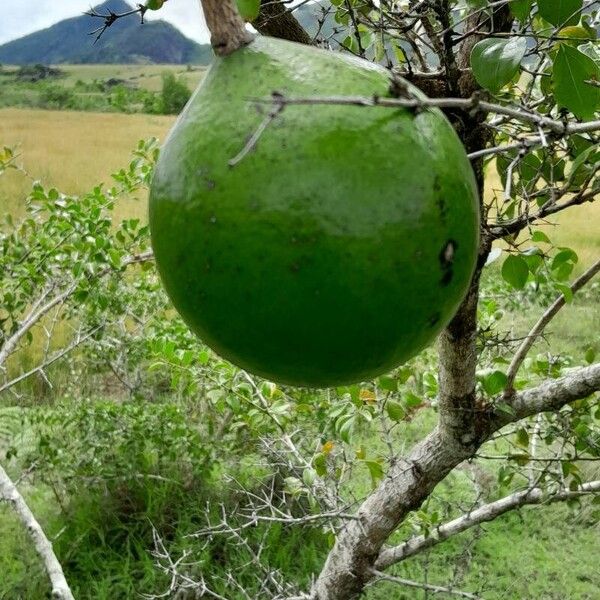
(339,246)
(154,4)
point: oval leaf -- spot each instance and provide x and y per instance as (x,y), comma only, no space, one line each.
(560,12)
(496,61)
(515,271)
(571,76)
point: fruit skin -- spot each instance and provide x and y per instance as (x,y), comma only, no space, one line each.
(339,247)
(155,4)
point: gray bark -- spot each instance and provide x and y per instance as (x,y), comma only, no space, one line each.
(227,29)
(43,546)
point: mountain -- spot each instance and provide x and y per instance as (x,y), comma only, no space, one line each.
(125,42)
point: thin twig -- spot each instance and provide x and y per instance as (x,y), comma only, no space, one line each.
(436,589)
(251,144)
(543,321)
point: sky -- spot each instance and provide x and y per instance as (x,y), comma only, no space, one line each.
(21,17)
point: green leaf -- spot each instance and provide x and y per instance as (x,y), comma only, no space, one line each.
(494,383)
(375,470)
(249,9)
(496,61)
(521,9)
(388,384)
(540,236)
(575,34)
(566,291)
(515,271)
(395,411)
(560,12)
(320,464)
(572,69)
(590,355)
(523,438)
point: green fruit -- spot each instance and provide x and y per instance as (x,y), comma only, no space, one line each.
(154,4)
(339,246)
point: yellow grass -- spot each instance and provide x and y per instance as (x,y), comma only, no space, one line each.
(72,151)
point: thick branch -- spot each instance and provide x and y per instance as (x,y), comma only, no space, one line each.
(539,327)
(485,513)
(551,395)
(408,483)
(277,21)
(9,493)
(227,29)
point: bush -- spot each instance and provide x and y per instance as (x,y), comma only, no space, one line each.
(56,96)
(174,95)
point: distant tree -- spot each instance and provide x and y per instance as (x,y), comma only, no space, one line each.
(174,95)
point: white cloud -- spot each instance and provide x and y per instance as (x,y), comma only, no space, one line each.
(20,17)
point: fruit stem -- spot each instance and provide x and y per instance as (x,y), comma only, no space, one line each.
(227,29)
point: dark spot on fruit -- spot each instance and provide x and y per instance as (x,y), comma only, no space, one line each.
(210,184)
(434,319)
(446,260)
(442,207)
(447,277)
(294,268)
(437,186)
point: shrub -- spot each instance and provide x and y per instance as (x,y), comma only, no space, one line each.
(174,95)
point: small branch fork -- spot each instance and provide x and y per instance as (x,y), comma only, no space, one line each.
(110,18)
(9,493)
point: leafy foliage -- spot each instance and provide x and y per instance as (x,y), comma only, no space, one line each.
(182,424)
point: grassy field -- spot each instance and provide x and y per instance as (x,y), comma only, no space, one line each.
(148,77)
(94,88)
(533,555)
(72,151)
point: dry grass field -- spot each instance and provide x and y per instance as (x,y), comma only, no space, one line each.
(75,150)
(72,151)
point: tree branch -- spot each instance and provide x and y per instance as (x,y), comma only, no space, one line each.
(227,29)
(435,589)
(473,104)
(539,327)
(550,395)
(43,546)
(277,21)
(483,514)
(411,480)
(30,321)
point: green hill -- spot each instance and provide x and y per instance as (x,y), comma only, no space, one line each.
(126,42)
